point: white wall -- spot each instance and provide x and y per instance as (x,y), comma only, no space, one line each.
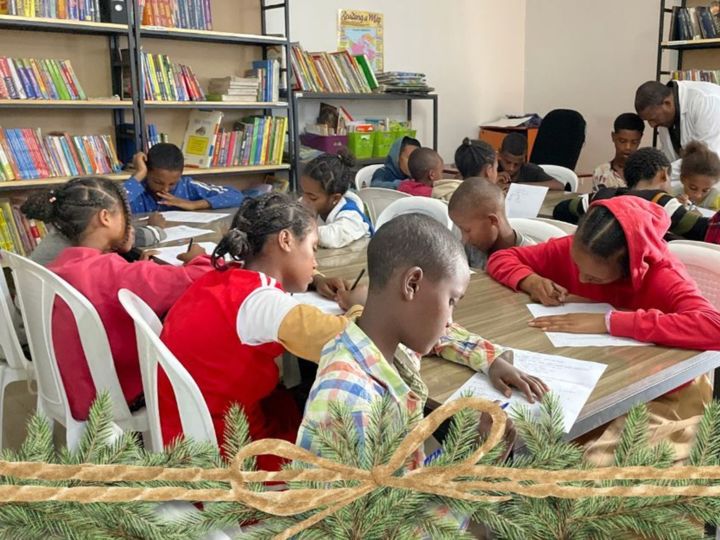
(473,53)
(591,56)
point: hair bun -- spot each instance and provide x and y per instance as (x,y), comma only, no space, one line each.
(466,141)
(346,158)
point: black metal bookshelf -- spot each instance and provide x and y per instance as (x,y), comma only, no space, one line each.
(297,96)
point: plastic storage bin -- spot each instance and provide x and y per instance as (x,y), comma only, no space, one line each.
(329,144)
(361,144)
(385,139)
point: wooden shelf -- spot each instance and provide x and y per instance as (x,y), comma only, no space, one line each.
(65,104)
(159,104)
(369,96)
(692,44)
(61,25)
(39,183)
(210,36)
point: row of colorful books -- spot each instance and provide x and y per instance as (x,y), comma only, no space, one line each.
(38,78)
(26,154)
(712,76)
(259,143)
(18,233)
(77,10)
(689,23)
(257,140)
(166,80)
(155,137)
(189,14)
(338,72)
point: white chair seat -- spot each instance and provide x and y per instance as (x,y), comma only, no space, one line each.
(540,231)
(378,199)
(433,208)
(702,262)
(363,178)
(563,175)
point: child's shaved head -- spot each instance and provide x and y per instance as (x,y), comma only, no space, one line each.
(425,165)
(413,240)
(477,195)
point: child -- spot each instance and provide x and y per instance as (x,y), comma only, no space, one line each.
(478,209)
(51,246)
(513,166)
(647,174)
(699,173)
(158,183)
(626,136)
(417,273)
(230,326)
(426,167)
(476,158)
(396,164)
(325,183)
(92,213)
(617,256)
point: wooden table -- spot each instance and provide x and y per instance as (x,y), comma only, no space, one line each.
(552,199)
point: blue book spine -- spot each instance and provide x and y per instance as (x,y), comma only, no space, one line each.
(68,156)
(16,157)
(29,166)
(22,74)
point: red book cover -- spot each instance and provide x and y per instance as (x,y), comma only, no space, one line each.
(47,160)
(73,151)
(35,231)
(230,161)
(4,92)
(68,80)
(34,152)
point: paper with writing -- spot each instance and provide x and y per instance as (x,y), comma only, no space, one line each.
(169,254)
(524,201)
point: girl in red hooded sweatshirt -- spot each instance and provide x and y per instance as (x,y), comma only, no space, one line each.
(618,256)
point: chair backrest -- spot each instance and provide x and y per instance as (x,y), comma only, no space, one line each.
(364,176)
(703,265)
(9,342)
(434,208)
(37,290)
(706,245)
(569,228)
(540,231)
(560,139)
(194,414)
(378,199)
(563,175)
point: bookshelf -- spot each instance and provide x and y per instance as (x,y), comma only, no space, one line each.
(296,98)
(239,37)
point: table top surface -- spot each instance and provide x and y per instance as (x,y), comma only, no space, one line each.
(552,199)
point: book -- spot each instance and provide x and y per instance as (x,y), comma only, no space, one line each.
(165,80)
(39,78)
(337,72)
(200,137)
(186,14)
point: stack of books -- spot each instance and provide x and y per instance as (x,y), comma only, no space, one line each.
(168,81)
(336,72)
(234,89)
(188,14)
(26,154)
(690,23)
(404,82)
(155,137)
(31,78)
(77,10)
(17,233)
(697,75)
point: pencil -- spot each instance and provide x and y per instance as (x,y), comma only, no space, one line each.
(190,245)
(362,273)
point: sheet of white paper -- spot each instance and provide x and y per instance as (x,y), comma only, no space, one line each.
(706,212)
(181,232)
(565,339)
(314,299)
(169,254)
(572,381)
(524,201)
(507,122)
(192,217)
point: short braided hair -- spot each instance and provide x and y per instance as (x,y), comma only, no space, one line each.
(71,207)
(255,221)
(471,157)
(602,235)
(333,172)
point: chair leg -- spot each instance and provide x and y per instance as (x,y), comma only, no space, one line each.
(73,432)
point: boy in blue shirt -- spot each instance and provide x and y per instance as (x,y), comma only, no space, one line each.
(158,184)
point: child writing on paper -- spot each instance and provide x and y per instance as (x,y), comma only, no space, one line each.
(325,183)
(158,184)
(92,213)
(478,209)
(699,174)
(627,133)
(417,275)
(395,169)
(426,167)
(230,326)
(513,165)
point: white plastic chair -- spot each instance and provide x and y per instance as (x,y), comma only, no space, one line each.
(15,366)
(434,208)
(539,231)
(703,265)
(569,228)
(563,175)
(364,176)
(706,245)
(378,199)
(37,290)
(194,414)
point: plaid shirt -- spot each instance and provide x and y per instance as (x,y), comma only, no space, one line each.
(353,371)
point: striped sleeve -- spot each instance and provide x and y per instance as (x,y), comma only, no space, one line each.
(461,346)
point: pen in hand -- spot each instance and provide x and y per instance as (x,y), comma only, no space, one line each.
(362,273)
(190,245)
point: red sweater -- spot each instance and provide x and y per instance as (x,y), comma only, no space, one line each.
(413,187)
(664,304)
(99,276)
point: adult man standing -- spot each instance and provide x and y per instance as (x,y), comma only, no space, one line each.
(682,111)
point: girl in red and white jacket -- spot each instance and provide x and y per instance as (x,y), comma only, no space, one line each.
(92,213)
